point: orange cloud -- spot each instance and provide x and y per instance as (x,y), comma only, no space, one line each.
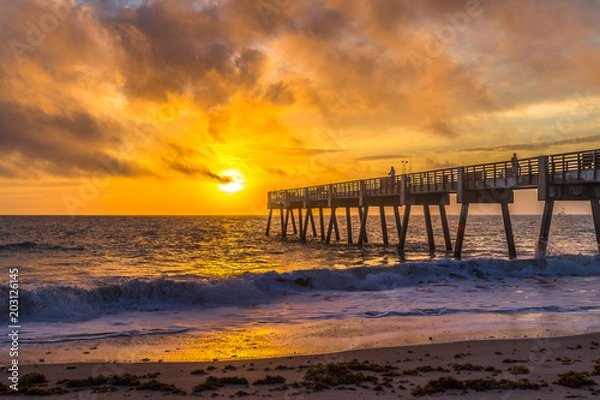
(306,90)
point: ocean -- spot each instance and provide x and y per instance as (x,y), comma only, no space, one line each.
(129,289)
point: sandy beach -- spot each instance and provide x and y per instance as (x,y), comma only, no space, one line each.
(564,367)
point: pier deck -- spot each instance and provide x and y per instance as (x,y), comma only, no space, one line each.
(573,176)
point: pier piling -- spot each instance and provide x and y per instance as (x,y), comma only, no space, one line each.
(510,240)
(285,223)
(362,237)
(429,228)
(545,229)
(269,222)
(445,228)
(383,225)
(397,219)
(405,218)
(460,232)
(322,224)
(571,176)
(349,225)
(300,226)
(596,216)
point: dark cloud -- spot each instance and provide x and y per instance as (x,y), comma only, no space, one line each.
(433,164)
(194,170)
(8,172)
(443,127)
(302,151)
(279,94)
(581,142)
(275,171)
(324,23)
(62,143)
(183,151)
(383,157)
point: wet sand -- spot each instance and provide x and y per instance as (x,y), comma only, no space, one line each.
(558,367)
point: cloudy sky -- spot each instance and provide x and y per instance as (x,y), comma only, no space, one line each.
(155,107)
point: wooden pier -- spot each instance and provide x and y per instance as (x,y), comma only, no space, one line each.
(564,177)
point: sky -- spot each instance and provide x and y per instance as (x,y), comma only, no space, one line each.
(201,107)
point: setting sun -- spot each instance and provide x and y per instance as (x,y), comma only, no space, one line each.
(236,181)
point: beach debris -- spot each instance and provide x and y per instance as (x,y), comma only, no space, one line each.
(564,360)
(214,383)
(34,378)
(355,365)
(513,361)
(161,387)
(470,367)
(423,369)
(150,375)
(439,385)
(445,383)
(91,381)
(198,372)
(518,370)
(38,391)
(283,368)
(322,376)
(574,379)
(105,389)
(270,380)
(466,367)
(27,386)
(5,389)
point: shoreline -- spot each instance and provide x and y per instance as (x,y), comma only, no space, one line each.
(495,366)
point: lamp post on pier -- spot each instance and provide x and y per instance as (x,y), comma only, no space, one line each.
(404,165)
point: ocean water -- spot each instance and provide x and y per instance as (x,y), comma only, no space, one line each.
(200,288)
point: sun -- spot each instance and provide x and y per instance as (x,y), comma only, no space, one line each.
(237,181)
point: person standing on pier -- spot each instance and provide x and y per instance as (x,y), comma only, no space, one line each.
(515,164)
(392,175)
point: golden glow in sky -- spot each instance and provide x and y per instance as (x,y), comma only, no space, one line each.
(170,107)
(236,184)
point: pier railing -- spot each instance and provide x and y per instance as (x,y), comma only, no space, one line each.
(346,189)
(440,180)
(320,192)
(382,186)
(580,166)
(521,173)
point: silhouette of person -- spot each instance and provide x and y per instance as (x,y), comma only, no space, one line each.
(392,175)
(515,164)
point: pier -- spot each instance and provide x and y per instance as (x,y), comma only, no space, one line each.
(573,176)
